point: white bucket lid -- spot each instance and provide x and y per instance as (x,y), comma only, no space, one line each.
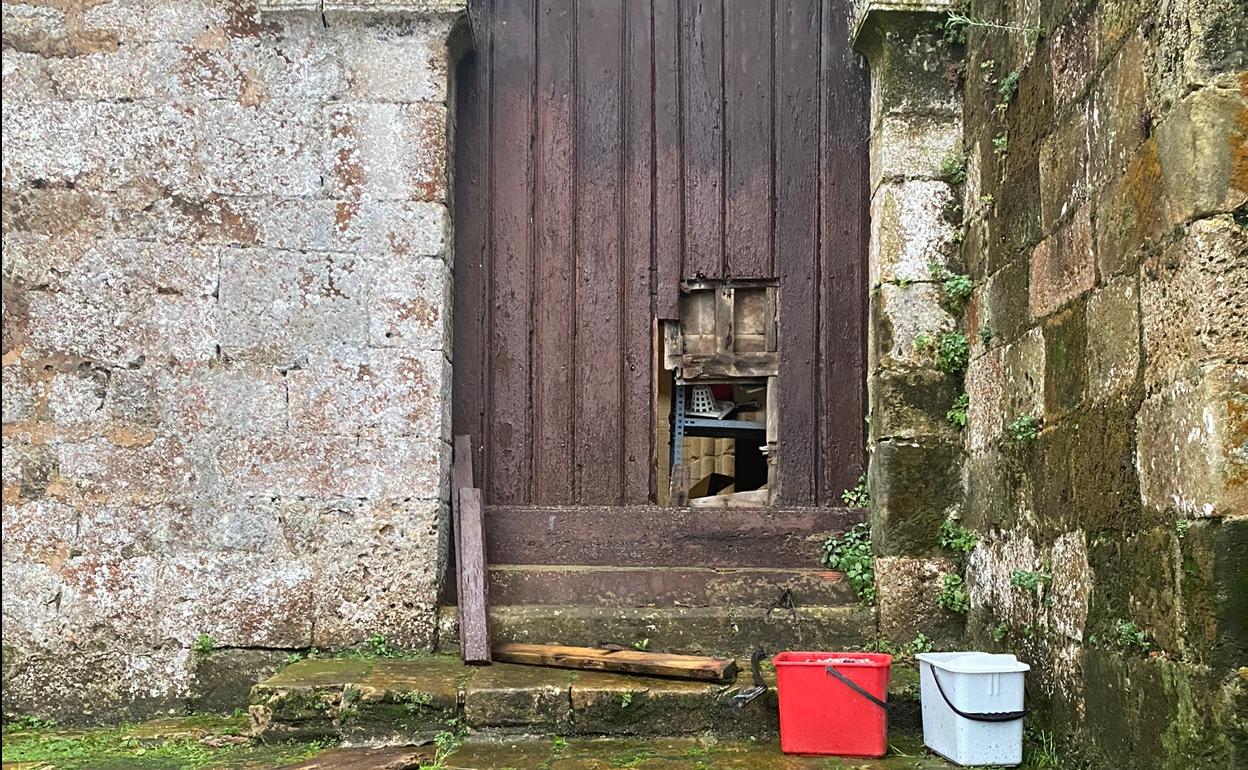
(974,662)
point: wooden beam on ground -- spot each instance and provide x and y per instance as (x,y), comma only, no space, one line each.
(621,661)
(474,629)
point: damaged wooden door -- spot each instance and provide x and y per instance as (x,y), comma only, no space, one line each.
(607,153)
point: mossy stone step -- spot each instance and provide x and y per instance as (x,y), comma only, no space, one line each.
(397,701)
(723,631)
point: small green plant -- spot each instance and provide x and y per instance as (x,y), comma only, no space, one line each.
(1025,428)
(626,699)
(24,722)
(952,31)
(633,757)
(998,632)
(1001,144)
(956,537)
(1029,580)
(985,336)
(559,743)
(294,657)
(953,595)
(953,352)
(956,25)
(415,701)
(957,413)
(642,644)
(957,286)
(920,643)
(851,553)
(857,496)
(347,708)
(1132,637)
(204,644)
(1040,750)
(1181,526)
(379,647)
(1006,90)
(953,168)
(445,744)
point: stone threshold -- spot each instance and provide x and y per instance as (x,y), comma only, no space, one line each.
(391,702)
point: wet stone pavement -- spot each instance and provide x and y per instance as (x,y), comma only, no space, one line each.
(670,754)
(103,750)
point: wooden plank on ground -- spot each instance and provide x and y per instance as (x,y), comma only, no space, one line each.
(474,629)
(621,661)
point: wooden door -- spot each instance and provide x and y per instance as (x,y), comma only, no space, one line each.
(606,150)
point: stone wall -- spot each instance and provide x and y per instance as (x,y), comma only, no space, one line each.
(1103,171)
(226,364)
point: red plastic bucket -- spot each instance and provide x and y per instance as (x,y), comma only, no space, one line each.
(833,702)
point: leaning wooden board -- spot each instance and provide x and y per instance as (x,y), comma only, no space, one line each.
(474,629)
(624,661)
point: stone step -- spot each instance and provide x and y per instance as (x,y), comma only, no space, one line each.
(650,536)
(389,702)
(519,584)
(726,631)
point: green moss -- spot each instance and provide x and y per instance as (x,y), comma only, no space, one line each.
(105,749)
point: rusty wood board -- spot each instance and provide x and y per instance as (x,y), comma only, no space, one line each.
(796,231)
(598,440)
(652,536)
(668,159)
(748,118)
(637,478)
(702,67)
(510,469)
(554,196)
(474,629)
(694,667)
(844,185)
(731,365)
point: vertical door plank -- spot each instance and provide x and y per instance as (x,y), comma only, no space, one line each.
(844,186)
(668,159)
(472,213)
(636,323)
(474,627)
(797,248)
(510,469)
(702,59)
(554,258)
(747,141)
(599,267)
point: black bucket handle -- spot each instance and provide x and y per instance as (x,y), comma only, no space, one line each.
(851,684)
(1004,716)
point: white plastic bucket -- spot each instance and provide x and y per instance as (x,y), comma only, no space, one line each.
(973,706)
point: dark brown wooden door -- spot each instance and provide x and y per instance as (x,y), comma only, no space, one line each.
(608,149)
